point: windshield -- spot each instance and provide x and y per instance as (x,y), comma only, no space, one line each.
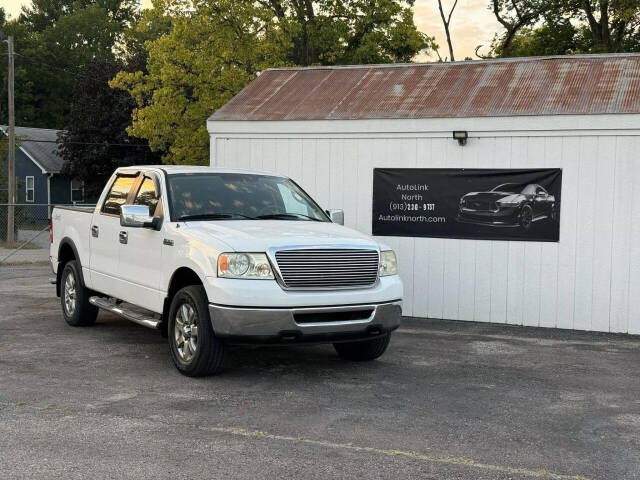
(508,187)
(237,196)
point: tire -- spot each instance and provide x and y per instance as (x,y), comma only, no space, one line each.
(525,219)
(364,350)
(195,352)
(74,298)
(554,214)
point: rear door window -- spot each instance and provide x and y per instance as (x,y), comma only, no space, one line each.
(118,194)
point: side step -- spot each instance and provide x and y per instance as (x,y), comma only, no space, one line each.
(148,320)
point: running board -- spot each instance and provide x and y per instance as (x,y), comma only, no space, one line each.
(146,320)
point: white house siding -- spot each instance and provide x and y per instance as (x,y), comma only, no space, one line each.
(590,280)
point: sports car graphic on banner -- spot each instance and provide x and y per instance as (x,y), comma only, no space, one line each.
(509,205)
(475,203)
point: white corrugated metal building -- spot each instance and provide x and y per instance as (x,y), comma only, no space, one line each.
(327,128)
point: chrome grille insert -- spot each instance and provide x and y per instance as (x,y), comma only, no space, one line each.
(328,268)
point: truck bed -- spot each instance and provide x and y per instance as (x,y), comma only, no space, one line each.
(74,208)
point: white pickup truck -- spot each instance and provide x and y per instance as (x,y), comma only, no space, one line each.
(211,257)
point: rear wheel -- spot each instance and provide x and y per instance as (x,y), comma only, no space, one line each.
(194,348)
(364,350)
(74,298)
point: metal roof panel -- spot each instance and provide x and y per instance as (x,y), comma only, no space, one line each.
(579,84)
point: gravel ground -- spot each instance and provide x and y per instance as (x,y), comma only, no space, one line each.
(449,400)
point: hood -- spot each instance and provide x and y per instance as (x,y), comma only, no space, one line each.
(487,196)
(260,235)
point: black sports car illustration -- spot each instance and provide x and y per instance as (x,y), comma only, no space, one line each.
(508,205)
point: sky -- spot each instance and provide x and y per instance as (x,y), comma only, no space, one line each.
(472,24)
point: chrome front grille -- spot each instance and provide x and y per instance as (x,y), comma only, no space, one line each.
(328,268)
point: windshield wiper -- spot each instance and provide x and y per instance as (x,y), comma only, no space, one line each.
(213,216)
(287,215)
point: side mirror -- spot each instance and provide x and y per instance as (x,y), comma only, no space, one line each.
(336,215)
(137,216)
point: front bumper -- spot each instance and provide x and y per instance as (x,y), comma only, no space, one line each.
(305,324)
(506,217)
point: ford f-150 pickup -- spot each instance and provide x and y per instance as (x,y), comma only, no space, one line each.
(211,257)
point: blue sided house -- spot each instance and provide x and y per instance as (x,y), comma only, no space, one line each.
(38,166)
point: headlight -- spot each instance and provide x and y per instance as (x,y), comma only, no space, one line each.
(254,266)
(500,203)
(388,263)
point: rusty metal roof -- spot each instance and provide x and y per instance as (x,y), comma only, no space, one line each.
(580,84)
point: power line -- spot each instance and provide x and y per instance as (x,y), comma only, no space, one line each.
(106,144)
(54,67)
(140,145)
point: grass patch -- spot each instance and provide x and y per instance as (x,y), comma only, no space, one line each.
(14,245)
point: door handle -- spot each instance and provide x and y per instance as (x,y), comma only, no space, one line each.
(95,231)
(124,238)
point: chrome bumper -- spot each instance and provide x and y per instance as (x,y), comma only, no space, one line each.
(283,325)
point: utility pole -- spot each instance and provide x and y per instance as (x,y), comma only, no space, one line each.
(12,150)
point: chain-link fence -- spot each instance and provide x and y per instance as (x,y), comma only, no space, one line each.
(24,233)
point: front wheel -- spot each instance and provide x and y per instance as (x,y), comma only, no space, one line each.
(74,298)
(195,350)
(525,218)
(364,350)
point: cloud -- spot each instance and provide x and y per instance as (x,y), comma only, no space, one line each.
(472,24)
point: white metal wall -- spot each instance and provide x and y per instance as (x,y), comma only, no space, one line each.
(590,280)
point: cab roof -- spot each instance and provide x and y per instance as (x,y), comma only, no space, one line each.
(182,169)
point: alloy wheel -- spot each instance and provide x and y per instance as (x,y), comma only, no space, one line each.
(526,217)
(70,297)
(185,332)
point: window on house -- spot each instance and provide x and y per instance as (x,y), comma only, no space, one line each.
(30,189)
(77,191)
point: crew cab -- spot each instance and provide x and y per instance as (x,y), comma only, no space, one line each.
(211,257)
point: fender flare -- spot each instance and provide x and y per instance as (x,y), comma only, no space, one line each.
(66,241)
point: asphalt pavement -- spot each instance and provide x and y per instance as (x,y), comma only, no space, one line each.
(449,400)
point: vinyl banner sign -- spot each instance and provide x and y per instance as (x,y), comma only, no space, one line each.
(490,204)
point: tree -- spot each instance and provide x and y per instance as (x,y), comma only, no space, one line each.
(54,39)
(514,15)
(596,25)
(611,23)
(352,31)
(41,15)
(149,25)
(214,48)
(446,21)
(208,56)
(94,142)
(548,39)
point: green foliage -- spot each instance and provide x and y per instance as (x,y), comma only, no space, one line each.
(95,142)
(179,61)
(206,59)
(548,39)
(541,27)
(209,50)
(42,15)
(347,32)
(53,40)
